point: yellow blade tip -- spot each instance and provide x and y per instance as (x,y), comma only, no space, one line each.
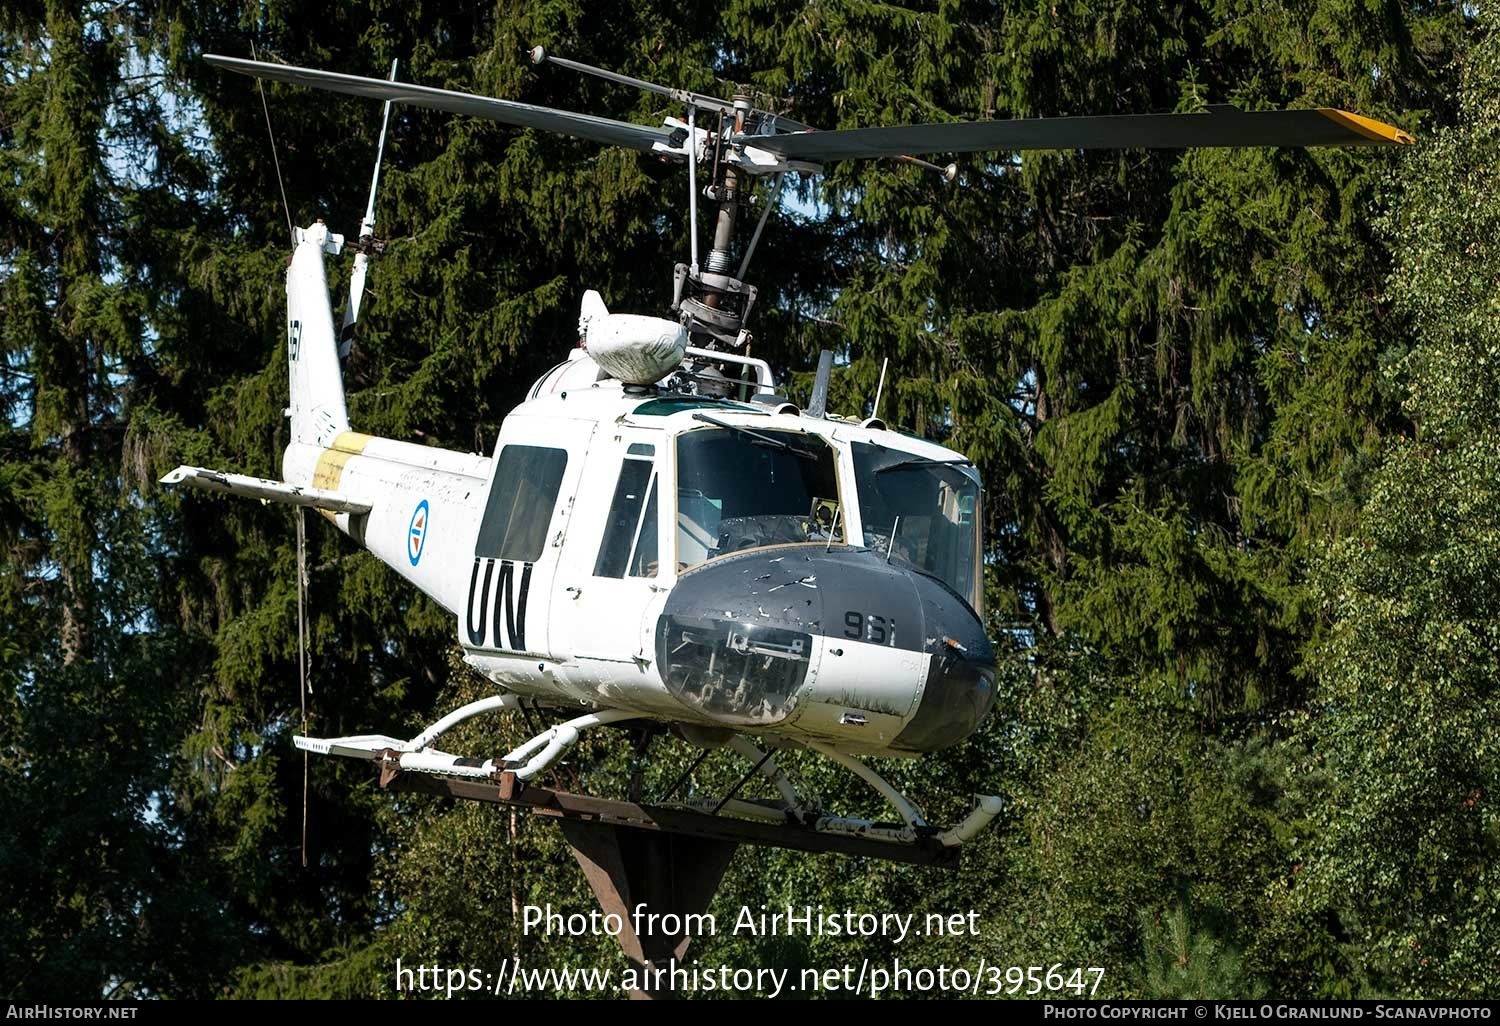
(1375,131)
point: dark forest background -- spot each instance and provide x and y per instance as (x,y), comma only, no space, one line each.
(1237,411)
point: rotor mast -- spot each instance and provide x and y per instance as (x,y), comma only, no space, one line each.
(727,195)
(711,298)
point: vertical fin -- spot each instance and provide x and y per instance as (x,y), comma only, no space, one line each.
(317,406)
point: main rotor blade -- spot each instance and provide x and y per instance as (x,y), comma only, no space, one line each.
(583,126)
(1223,125)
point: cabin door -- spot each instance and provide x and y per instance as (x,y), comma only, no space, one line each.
(610,573)
(526,519)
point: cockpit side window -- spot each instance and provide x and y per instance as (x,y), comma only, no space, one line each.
(742,489)
(627,531)
(522,497)
(644,562)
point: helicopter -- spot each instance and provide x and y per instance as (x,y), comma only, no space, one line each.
(659,537)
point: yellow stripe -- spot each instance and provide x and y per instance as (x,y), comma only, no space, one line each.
(331,463)
(1379,131)
(330,468)
(352,442)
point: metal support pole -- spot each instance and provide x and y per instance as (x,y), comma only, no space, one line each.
(760,225)
(693,186)
(653,882)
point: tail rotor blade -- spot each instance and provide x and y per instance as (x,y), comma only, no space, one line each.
(351,312)
(366,239)
(385,123)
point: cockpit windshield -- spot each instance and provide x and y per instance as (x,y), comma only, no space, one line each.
(740,488)
(922,511)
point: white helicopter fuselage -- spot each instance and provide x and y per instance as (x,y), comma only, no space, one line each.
(725,566)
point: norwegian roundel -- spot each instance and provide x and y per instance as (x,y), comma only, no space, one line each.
(416,533)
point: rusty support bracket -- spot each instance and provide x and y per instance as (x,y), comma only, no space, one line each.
(389,761)
(565,805)
(666,861)
(666,878)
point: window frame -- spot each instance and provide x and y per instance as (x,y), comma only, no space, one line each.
(638,453)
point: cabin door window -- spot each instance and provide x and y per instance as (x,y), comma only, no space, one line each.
(522,498)
(509,581)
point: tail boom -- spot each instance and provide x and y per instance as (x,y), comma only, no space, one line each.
(423,504)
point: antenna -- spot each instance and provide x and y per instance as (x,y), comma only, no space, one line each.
(366,239)
(880,387)
(818,406)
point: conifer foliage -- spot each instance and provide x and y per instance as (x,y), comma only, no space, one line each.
(1409,830)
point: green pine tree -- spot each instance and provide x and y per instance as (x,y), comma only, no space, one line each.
(1409,834)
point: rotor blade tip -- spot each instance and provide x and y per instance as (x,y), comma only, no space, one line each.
(1369,128)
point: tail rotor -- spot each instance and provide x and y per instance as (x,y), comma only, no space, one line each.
(366,245)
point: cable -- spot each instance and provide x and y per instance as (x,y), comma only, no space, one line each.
(303,688)
(276,160)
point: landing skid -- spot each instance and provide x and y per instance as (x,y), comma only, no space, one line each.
(664,859)
(793,822)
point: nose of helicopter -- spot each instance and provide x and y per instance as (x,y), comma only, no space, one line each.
(837,642)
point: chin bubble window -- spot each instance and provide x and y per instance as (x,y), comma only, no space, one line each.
(739,673)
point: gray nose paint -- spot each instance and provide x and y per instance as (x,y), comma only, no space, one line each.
(735,640)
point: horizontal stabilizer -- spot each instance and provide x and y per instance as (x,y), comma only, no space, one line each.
(264,489)
(361,746)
